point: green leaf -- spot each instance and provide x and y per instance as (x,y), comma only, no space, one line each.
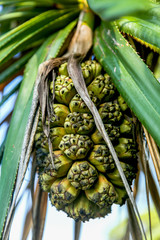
(131,76)
(146,29)
(2,148)
(15,89)
(59,40)
(17,15)
(40,26)
(31,25)
(113,9)
(19,121)
(153,14)
(66,2)
(15,67)
(30,3)
(16,132)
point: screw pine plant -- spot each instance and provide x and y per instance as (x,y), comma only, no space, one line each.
(88,96)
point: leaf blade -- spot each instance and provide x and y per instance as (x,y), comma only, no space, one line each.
(19,123)
(20,38)
(15,67)
(138,86)
(113,9)
(20,113)
(142,29)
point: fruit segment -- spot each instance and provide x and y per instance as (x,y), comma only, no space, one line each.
(82,175)
(103,192)
(75,146)
(101,158)
(82,209)
(62,193)
(81,123)
(90,70)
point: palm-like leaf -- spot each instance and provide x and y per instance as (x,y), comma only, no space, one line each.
(35,30)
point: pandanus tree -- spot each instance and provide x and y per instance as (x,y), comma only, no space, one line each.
(87,104)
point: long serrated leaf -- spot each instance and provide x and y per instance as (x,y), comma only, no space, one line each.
(34,3)
(113,9)
(31,25)
(142,29)
(2,149)
(66,2)
(15,67)
(152,15)
(18,39)
(15,89)
(16,131)
(18,125)
(59,40)
(14,9)
(131,76)
(17,15)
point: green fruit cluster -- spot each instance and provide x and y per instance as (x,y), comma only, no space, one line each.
(84,181)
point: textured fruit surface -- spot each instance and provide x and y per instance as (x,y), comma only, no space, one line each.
(84,181)
(82,175)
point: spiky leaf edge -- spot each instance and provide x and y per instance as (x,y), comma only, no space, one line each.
(21,114)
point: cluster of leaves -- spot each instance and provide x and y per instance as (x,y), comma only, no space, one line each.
(38,30)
